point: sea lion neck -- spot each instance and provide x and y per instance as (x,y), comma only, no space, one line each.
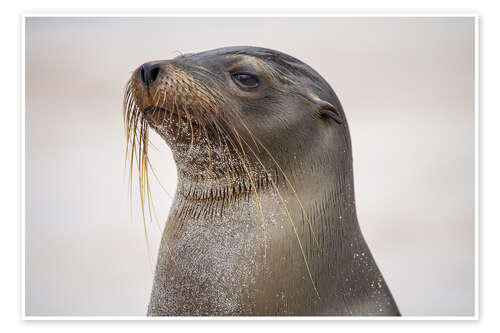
(203,189)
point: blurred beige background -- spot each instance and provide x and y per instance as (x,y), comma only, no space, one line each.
(406,84)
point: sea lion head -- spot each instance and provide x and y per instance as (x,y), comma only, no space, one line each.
(237,109)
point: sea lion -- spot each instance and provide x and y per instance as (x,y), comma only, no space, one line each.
(263,220)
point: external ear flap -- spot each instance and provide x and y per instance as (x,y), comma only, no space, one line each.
(326,109)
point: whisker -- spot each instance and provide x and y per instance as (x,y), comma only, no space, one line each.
(286,210)
(191,145)
(244,160)
(285,176)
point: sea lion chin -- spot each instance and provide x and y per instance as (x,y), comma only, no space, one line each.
(264,219)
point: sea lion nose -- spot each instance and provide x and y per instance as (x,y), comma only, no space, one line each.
(149,73)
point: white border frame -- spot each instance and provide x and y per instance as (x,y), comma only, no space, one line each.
(228,14)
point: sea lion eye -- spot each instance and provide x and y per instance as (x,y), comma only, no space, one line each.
(245,80)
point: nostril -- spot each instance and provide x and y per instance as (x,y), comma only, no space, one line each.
(154,74)
(149,73)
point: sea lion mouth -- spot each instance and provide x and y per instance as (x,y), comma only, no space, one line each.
(161,114)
